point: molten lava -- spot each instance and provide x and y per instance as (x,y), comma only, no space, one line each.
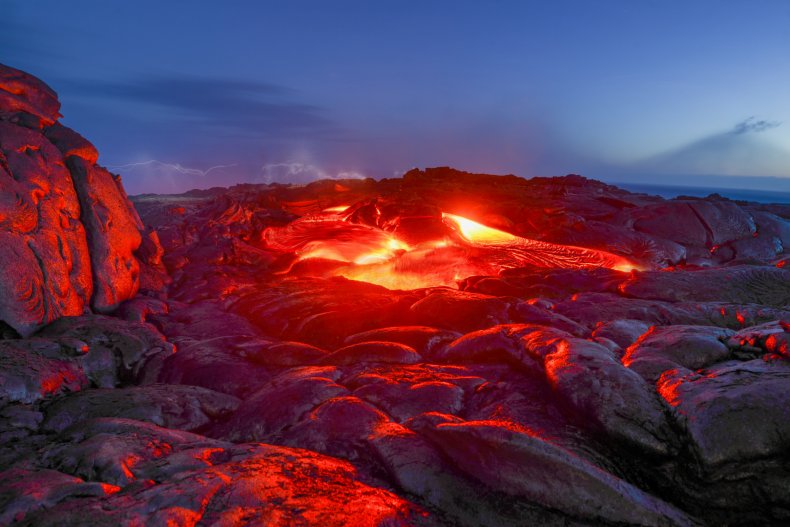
(477,232)
(468,248)
(514,251)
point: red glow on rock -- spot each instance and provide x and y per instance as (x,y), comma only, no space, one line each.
(110,489)
(54,383)
(669,385)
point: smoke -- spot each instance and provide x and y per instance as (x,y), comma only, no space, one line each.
(296,172)
(753,125)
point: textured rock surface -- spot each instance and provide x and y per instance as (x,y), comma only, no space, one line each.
(67,230)
(113,231)
(31,371)
(43,247)
(210,484)
(734,412)
(22,95)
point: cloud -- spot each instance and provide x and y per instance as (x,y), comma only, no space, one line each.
(753,125)
(740,151)
(220,105)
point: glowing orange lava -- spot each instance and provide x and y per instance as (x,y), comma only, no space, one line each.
(477,232)
(468,248)
(515,251)
(336,210)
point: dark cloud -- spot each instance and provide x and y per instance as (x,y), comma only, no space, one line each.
(752,124)
(219,104)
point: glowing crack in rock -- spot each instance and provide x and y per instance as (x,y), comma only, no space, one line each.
(468,248)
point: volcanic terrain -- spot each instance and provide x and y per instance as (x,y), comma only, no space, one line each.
(439,349)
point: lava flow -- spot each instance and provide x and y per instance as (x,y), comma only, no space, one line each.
(466,248)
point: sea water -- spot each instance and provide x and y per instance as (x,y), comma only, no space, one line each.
(672,191)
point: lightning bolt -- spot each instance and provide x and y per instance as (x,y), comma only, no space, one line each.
(175,166)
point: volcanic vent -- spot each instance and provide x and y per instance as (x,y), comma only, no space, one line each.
(439,349)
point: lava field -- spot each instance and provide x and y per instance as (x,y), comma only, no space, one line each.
(439,349)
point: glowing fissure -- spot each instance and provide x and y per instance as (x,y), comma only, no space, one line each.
(469,248)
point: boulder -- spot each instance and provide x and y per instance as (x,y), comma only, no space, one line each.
(215,364)
(67,229)
(70,143)
(43,247)
(612,398)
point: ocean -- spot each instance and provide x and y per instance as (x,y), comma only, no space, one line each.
(672,191)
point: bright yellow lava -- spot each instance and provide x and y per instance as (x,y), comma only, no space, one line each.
(477,232)
(352,251)
(336,210)
(389,251)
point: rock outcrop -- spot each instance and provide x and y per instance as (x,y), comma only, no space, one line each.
(68,232)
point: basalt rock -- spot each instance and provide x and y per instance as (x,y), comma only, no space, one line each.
(113,231)
(67,229)
(22,96)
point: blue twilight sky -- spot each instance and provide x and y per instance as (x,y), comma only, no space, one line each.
(634,90)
